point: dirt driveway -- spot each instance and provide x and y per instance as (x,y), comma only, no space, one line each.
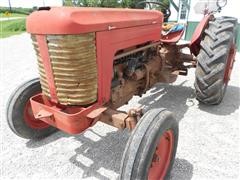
(208,143)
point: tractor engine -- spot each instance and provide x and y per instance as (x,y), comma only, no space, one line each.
(134,74)
(75,71)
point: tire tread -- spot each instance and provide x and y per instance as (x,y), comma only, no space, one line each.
(212,59)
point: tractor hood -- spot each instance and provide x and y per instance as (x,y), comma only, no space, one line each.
(76,20)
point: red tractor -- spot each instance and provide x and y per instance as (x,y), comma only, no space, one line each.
(93,60)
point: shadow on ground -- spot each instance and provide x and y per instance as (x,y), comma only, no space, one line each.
(57,135)
(102,158)
(175,98)
(230,103)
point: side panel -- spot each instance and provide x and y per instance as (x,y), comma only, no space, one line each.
(196,38)
(109,42)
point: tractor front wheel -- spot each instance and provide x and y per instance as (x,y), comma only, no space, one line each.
(151,149)
(20,116)
(215,60)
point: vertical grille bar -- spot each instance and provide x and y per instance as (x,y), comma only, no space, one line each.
(41,70)
(43,50)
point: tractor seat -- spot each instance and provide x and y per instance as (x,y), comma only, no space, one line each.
(172,32)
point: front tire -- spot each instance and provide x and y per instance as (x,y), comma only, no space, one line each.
(215,60)
(151,149)
(20,116)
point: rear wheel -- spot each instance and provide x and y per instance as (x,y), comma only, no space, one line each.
(20,116)
(215,60)
(151,149)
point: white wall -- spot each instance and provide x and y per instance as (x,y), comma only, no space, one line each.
(174,13)
(231,9)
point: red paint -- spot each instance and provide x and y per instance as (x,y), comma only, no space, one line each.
(162,157)
(71,20)
(196,38)
(109,42)
(70,119)
(30,119)
(43,50)
(172,37)
(230,62)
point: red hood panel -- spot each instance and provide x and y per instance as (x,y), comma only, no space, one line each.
(76,20)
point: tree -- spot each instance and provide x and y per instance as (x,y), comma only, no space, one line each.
(101,3)
(67,2)
(107,3)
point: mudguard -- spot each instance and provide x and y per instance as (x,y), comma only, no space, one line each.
(196,38)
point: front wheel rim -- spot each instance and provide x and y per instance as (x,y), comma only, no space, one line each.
(162,157)
(30,119)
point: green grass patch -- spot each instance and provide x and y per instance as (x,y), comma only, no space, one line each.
(24,11)
(3,15)
(12,27)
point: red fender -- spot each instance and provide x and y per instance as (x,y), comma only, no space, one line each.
(196,38)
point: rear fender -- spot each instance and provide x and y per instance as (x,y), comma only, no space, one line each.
(197,35)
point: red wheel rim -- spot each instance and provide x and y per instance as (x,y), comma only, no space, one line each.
(230,62)
(30,120)
(162,157)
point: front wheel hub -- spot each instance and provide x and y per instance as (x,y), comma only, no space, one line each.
(162,157)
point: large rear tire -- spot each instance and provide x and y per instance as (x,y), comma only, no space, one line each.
(215,60)
(20,116)
(151,149)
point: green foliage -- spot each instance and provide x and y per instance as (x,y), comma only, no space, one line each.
(2,15)
(93,3)
(102,3)
(67,3)
(12,27)
(24,11)
(107,3)
(130,3)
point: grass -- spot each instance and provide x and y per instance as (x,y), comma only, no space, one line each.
(12,27)
(2,15)
(24,11)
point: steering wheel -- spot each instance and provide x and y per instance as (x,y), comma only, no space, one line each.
(160,5)
(221,3)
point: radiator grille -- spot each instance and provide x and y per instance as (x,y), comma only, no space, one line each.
(73,61)
(43,79)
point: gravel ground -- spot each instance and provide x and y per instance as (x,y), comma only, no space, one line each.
(208,144)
